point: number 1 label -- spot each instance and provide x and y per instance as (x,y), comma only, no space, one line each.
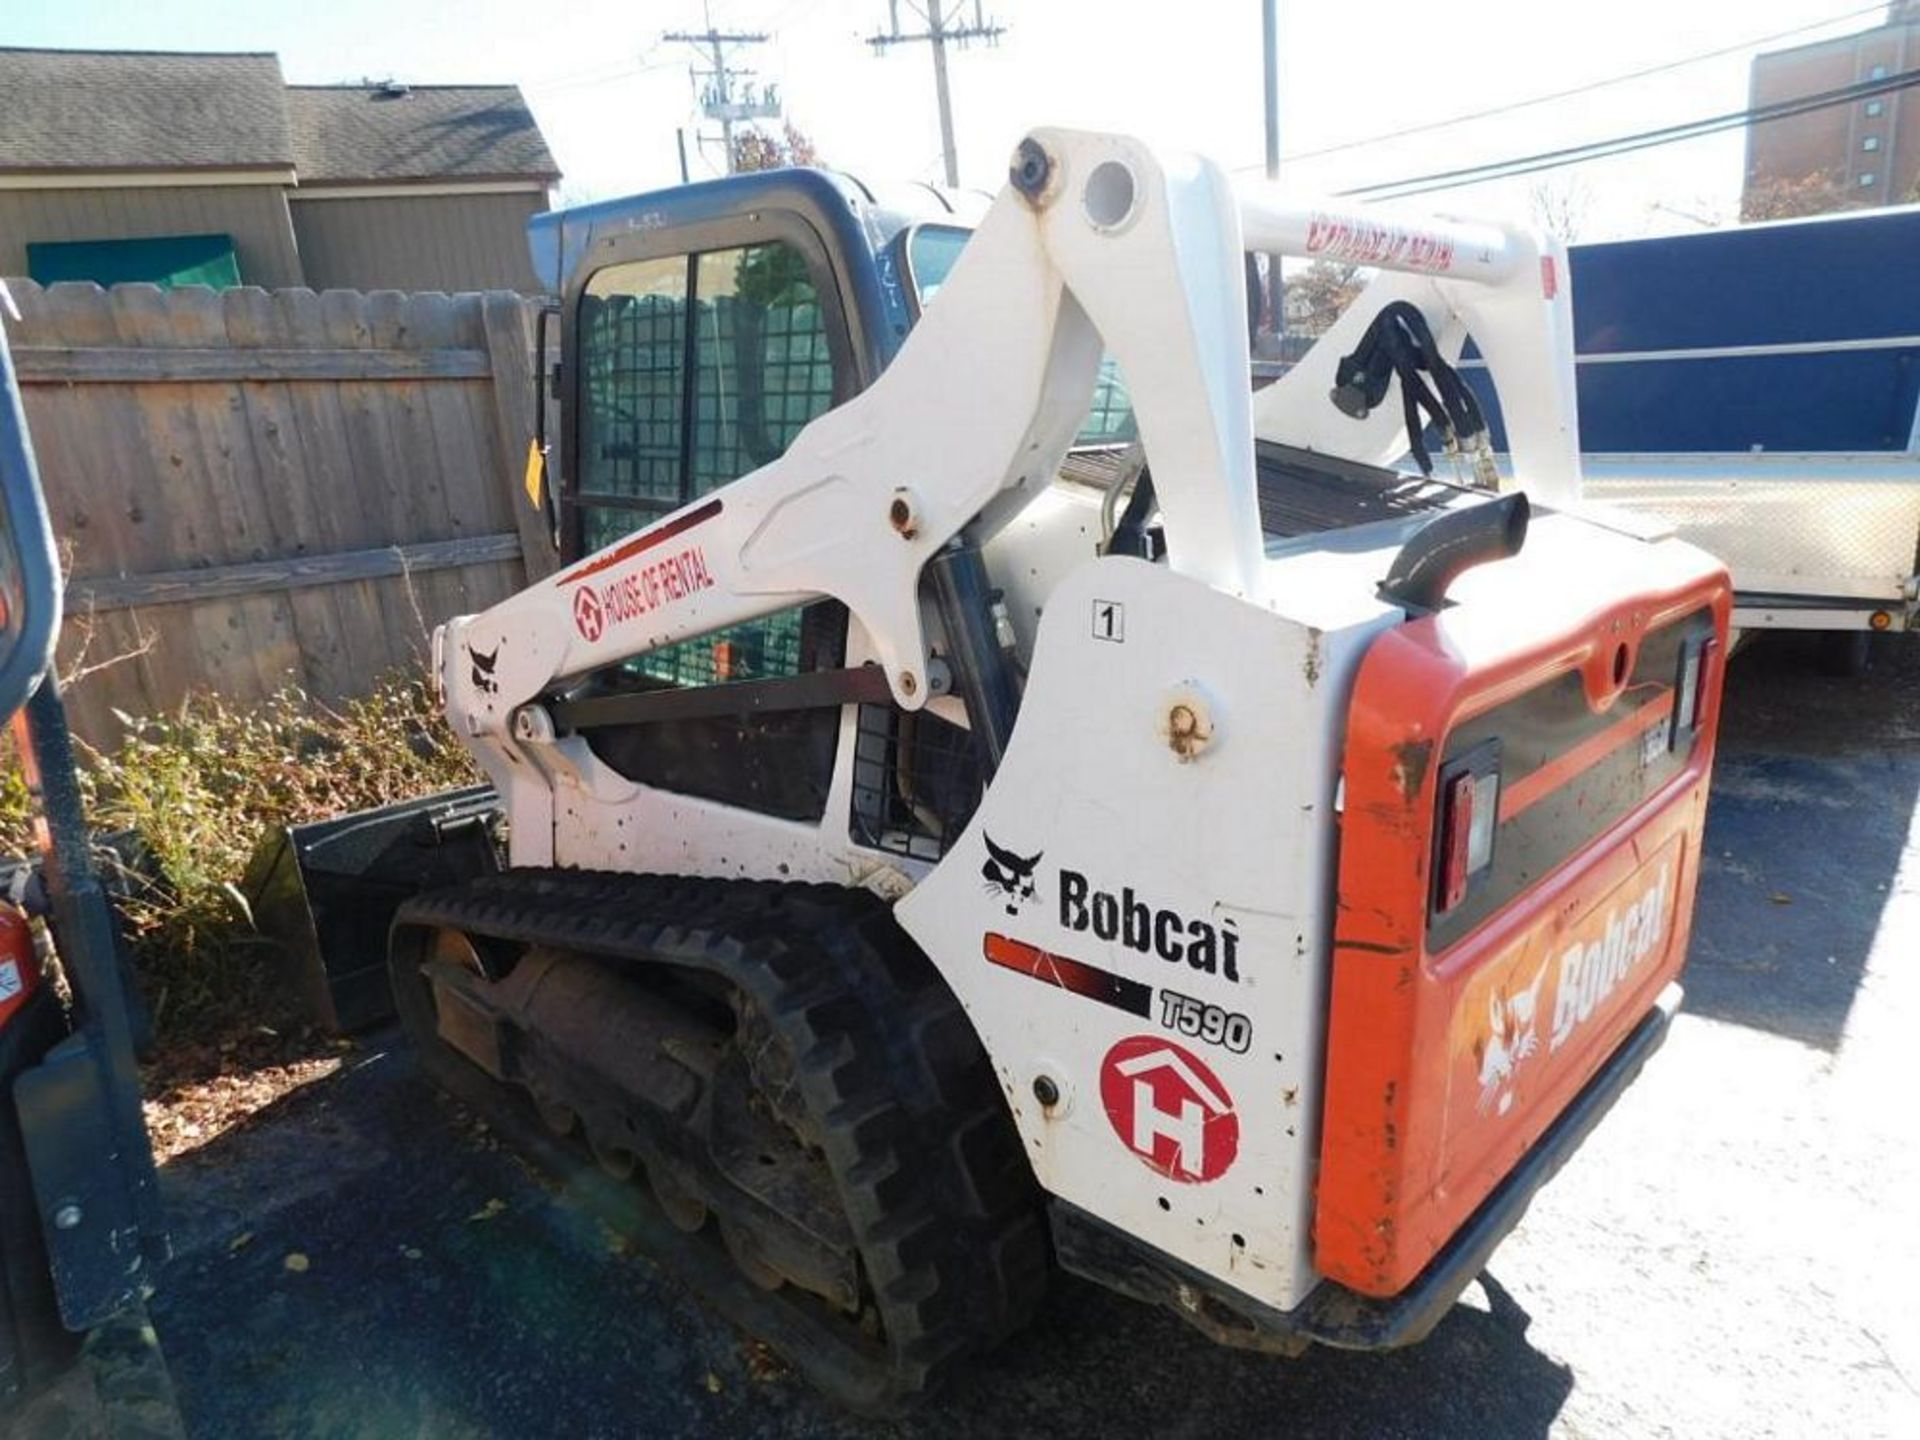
(1110,621)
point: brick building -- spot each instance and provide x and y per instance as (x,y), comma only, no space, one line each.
(1868,150)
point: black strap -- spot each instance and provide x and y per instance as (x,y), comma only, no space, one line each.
(1399,343)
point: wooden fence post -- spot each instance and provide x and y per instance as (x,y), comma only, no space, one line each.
(515,374)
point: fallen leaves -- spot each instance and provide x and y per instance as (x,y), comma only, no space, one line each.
(487,1211)
(197,1093)
(617,1244)
(762,1365)
(296,1262)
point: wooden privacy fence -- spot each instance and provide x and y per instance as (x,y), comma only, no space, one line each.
(258,489)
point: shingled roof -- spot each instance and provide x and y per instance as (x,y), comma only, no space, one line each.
(347,134)
(141,110)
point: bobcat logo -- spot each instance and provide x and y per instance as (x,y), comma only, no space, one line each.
(1008,875)
(1510,1039)
(482,673)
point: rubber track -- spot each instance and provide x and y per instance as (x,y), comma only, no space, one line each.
(908,1112)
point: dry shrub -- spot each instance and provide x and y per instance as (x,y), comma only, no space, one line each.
(195,791)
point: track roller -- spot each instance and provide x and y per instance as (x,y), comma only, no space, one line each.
(555,1114)
(613,1158)
(746,1255)
(685,1211)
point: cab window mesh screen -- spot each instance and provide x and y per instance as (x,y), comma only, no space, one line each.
(633,382)
(655,434)
(1110,418)
(916,781)
(763,369)
(758,650)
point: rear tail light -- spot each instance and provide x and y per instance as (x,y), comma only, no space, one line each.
(1469,812)
(1691,687)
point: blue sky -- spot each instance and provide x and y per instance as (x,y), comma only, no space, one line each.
(609,94)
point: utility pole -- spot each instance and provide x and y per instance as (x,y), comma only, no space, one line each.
(1270,60)
(727,92)
(944,23)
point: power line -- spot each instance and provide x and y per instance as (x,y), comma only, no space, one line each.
(939,17)
(1627,144)
(602,75)
(1577,90)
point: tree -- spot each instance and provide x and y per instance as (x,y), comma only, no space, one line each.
(1560,207)
(1778,198)
(1319,294)
(755,149)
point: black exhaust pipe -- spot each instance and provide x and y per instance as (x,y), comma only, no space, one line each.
(1455,542)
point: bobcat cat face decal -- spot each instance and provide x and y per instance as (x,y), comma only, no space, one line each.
(1008,875)
(482,671)
(1512,1026)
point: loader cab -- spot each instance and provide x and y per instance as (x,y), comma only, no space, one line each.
(701,329)
(704,326)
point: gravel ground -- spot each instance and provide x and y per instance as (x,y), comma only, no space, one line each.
(1732,1254)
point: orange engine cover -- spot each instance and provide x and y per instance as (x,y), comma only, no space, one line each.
(1456,1036)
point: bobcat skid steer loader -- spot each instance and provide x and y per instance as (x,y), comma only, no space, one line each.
(1243,885)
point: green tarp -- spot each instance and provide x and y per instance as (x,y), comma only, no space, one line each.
(163,260)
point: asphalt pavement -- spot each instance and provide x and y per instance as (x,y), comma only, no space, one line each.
(1733,1254)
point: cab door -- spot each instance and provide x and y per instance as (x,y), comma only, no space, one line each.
(694,355)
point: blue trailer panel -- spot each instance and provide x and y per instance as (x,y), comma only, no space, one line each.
(1759,387)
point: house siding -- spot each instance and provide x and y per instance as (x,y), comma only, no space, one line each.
(254,215)
(427,242)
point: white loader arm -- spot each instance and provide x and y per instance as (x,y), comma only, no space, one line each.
(1094,242)
(1508,288)
(1099,242)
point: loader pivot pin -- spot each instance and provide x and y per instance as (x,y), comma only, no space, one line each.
(1032,168)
